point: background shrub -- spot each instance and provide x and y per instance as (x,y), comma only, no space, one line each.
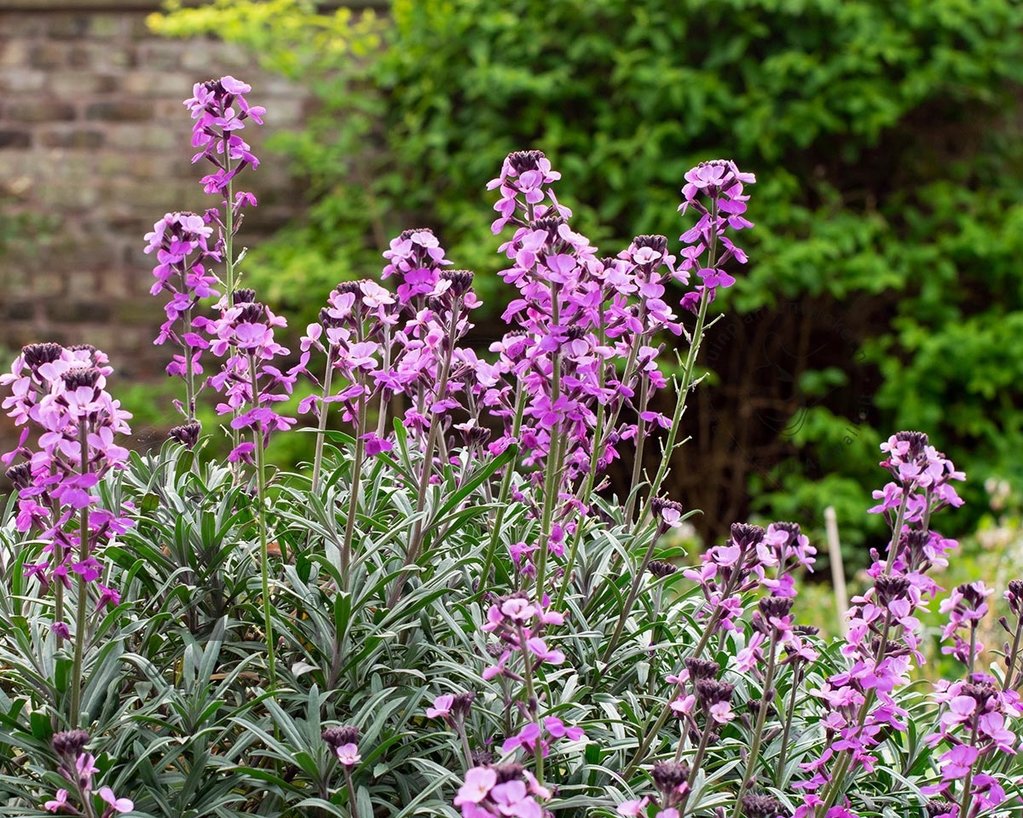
(885,291)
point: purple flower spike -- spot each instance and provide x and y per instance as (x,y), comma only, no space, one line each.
(221,112)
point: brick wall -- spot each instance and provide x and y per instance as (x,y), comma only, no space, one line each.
(94,147)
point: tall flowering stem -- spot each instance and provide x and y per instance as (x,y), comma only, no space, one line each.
(883,633)
(220,112)
(715,191)
(180,242)
(251,386)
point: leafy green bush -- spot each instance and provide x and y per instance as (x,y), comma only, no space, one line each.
(885,288)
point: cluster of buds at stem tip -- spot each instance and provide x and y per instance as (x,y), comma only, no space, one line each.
(344,744)
(78,768)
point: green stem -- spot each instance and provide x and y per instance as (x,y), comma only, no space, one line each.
(321,427)
(505,489)
(531,704)
(416,541)
(264,557)
(758,731)
(688,375)
(350,784)
(630,600)
(666,712)
(694,768)
(796,681)
(81,618)
(353,497)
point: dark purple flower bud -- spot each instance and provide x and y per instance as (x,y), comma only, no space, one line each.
(890,587)
(522,161)
(746,536)
(461,280)
(462,704)
(20,475)
(77,378)
(669,775)
(348,287)
(1014,596)
(340,736)
(772,607)
(658,244)
(660,568)
(806,630)
(971,595)
(938,806)
(981,693)
(758,805)
(792,529)
(709,692)
(35,355)
(244,296)
(482,758)
(187,434)
(70,743)
(917,443)
(251,313)
(405,235)
(701,669)
(508,772)
(550,224)
(327,321)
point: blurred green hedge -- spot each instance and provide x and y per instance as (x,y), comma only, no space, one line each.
(884,290)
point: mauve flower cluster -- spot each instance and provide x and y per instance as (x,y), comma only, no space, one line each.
(715,191)
(60,394)
(502,791)
(221,111)
(883,633)
(584,347)
(249,381)
(518,623)
(385,344)
(974,725)
(78,768)
(180,241)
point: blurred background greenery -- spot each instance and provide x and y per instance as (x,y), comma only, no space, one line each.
(884,289)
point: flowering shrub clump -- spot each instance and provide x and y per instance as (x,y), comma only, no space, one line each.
(449,612)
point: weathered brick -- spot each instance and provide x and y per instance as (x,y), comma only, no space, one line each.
(14,52)
(49,55)
(14,139)
(153,136)
(94,56)
(38,110)
(22,25)
(120,110)
(21,80)
(172,84)
(106,26)
(76,139)
(70,84)
(18,310)
(67,26)
(156,55)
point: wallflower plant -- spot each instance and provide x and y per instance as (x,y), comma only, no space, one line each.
(464,605)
